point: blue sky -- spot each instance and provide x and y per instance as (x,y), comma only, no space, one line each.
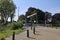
(52,6)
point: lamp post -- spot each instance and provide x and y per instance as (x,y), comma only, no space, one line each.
(18,12)
(45,19)
(31,23)
(36,19)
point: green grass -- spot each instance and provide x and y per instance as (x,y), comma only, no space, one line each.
(8,33)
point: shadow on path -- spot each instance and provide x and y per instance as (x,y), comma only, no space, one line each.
(31,38)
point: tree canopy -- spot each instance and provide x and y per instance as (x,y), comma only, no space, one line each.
(56,18)
(7,9)
(40,15)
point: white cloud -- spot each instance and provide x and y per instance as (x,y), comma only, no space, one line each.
(57,11)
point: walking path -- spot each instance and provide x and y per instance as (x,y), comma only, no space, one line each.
(42,33)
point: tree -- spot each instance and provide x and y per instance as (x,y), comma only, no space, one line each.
(12,16)
(7,9)
(56,18)
(39,17)
(30,11)
(48,17)
(21,18)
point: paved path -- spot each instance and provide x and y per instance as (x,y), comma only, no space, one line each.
(42,33)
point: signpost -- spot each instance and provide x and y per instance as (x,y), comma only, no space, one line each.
(31,18)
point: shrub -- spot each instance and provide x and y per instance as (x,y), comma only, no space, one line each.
(2,28)
(15,25)
(56,25)
(2,38)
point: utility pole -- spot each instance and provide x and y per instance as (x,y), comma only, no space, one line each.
(18,12)
(45,19)
(36,19)
(31,23)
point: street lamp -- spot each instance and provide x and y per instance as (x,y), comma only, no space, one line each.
(36,19)
(31,23)
(45,19)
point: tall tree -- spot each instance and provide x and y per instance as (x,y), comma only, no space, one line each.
(30,11)
(48,17)
(39,17)
(7,9)
(56,18)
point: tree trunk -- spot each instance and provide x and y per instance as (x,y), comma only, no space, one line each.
(11,19)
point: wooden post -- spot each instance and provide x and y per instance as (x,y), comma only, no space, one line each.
(27,33)
(34,30)
(13,36)
(31,27)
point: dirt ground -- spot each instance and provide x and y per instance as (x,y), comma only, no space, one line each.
(42,33)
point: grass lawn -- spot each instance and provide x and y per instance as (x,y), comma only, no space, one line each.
(8,33)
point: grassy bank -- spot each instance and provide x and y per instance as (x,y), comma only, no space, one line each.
(8,33)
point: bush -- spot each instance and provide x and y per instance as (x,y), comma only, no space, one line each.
(15,25)
(56,25)
(2,38)
(2,28)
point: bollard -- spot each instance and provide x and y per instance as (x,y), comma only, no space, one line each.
(34,30)
(27,33)
(31,27)
(13,36)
